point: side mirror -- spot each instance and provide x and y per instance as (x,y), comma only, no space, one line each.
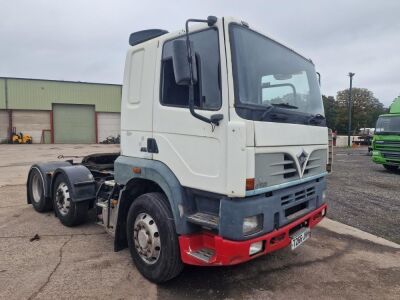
(181,64)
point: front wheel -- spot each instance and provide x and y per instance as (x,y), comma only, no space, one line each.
(390,168)
(152,238)
(69,212)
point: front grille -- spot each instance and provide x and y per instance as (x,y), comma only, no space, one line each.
(277,168)
(316,163)
(274,168)
(297,196)
(289,167)
(394,155)
(388,145)
(294,210)
(295,203)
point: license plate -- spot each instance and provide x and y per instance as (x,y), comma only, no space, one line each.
(299,237)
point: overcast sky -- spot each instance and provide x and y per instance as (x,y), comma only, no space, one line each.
(86,40)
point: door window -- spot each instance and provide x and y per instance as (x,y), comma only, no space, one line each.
(207,90)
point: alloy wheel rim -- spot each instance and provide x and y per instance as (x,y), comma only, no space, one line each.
(63,199)
(147,238)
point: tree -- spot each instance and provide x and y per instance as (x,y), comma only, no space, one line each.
(330,111)
(365,109)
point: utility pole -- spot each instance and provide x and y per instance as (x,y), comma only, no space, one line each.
(349,121)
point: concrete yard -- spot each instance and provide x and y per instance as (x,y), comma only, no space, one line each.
(364,194)
(339,261)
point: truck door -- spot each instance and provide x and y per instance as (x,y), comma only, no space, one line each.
(191,148)
(137,100)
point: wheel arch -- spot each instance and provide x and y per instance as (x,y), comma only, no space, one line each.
(79,179)
(45,170)
(154,176)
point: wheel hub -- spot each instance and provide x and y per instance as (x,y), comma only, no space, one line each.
(63,199)
(147,238)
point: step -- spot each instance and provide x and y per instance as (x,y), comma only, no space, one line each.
(204,219)
(204,254)
(102,204)
(110,183)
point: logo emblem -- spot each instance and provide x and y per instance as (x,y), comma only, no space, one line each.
(302,158)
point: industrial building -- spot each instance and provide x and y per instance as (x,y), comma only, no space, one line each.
(59,111)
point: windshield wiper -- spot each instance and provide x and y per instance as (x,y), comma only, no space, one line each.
(316,119)
(270,108)
(284,105)
(272,114)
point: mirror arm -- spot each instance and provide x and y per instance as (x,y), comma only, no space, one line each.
(191,84)
(191,106)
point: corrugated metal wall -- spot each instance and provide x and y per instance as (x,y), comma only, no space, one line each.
(2,94)
(3,125)
(40,94)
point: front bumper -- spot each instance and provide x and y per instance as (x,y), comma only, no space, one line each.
(228,252)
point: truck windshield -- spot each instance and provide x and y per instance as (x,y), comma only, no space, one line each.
(388,125)
(272,82)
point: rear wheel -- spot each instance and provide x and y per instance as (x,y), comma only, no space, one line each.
(390,168)
(69,212)
(152,238)
(36,191)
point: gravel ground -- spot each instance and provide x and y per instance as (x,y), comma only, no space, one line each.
(338,262)
(364,195)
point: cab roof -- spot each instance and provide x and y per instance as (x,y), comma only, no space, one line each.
(395,107)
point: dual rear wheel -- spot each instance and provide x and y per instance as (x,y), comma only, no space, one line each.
(69,212)
(151,235)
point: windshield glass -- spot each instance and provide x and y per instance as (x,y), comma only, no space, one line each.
(269,77)
(388,125)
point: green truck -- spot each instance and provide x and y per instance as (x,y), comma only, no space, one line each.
(386,141)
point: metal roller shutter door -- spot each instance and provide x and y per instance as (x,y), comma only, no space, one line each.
(31,122)
(108,125)
(74,124)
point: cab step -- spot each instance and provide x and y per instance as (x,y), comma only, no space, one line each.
(102,204)
(110,183)
(204,219)
(204,254)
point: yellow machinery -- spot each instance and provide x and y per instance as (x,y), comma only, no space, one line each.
(20,138)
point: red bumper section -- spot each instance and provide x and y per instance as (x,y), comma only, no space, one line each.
(227,252)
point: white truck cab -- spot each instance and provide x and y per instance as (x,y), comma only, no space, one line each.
(223,152)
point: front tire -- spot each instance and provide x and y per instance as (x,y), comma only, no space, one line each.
(36,188)
(152,238)
(69,212)
(391,168)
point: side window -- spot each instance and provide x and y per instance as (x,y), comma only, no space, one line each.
(207,90)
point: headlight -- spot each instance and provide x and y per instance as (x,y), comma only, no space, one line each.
(252,224)
(376,153)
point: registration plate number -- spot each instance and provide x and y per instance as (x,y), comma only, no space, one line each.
(299,237)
